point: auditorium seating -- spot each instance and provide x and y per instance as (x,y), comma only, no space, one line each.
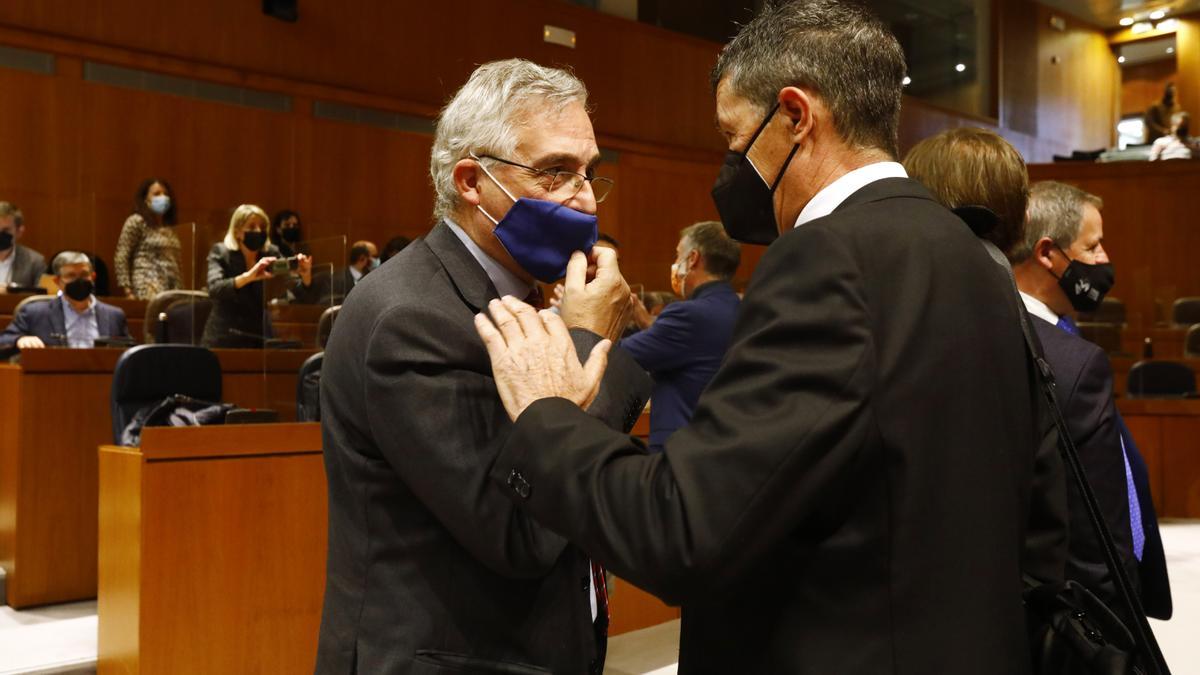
(1161,379)
(1111,311)
(308,389)
(177,317)
(1105,335)
(325,325)
(1185,311)
(147,374)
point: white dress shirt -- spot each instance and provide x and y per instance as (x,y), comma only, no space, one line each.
(1039,309)
(831,196)
(6,266)
(506,282)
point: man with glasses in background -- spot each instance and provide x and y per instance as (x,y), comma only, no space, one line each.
(430,565)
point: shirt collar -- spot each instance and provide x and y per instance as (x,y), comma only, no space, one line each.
(831,196)
(71,308)
(505,281)
(1039,309)
(355,274)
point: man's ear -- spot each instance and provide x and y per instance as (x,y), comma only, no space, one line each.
(466,180)
(801,111)
(1041,252)
(694,259)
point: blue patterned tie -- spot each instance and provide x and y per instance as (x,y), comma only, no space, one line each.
(1065,323)
(1135,508)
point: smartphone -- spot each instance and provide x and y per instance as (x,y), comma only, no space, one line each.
(283,265)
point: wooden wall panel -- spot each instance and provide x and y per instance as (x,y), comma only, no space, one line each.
(1187,58)
(1142,85)
(1084,78)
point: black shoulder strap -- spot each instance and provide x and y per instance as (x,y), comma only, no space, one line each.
(1142,633)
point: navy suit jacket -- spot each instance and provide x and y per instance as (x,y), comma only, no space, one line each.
(45,320)
(682,350)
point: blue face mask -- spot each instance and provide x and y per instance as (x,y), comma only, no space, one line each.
(541,235)
(160,203)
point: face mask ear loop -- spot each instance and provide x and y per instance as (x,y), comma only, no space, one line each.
(783,169)
(489,175)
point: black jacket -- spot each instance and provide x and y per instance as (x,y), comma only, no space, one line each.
(431,568)
(239,317)
(1083,384)
(854,492)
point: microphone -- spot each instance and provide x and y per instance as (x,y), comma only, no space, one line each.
(61,337)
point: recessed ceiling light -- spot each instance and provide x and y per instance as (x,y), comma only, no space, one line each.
(1157,14)
(906,81)
(1170,50)
(960,67)
(1120,59)
(1166,26)
(1142,27)
(1127,21)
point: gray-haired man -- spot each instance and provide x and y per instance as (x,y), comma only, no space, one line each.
(431,568)
(73,319)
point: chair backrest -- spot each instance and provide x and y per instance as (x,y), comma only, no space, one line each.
(154,331)
(1191,343)
(308,389)
(185,320)
(1111,310)
(325,325)
(147,374)
(1185,311)
(1160,379)
(1107,336)
(32,299)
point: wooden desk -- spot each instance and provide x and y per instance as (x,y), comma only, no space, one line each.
(56,412)
(1167,432)
(212,550)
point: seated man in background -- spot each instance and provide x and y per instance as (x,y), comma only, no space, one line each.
(1177,144)
(683,348)
(19,266)
(361,260)
(1062,268)
(74,319)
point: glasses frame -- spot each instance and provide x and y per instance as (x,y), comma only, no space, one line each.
(555,176)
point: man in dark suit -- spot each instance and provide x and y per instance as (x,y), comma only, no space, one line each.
(684,345)
(73,319)
(855,487)
(19,265)
(431,568)
(1062,268)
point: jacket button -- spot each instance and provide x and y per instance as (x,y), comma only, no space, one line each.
(586,584)
(519,485)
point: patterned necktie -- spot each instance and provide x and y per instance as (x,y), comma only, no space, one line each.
(1065,323)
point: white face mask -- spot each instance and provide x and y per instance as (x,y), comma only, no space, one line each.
(679,272)
(160,203)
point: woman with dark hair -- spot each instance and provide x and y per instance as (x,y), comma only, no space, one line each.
(285,231)
(147,258)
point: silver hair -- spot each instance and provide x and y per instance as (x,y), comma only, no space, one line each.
(837,49)
(69,258)
(9,209)
(483,115)
(1056,211)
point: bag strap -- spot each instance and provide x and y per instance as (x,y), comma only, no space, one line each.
(1142,633)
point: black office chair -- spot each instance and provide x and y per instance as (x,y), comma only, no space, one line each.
(1185,311)
(177,317)
(325,325)
(1111,310)
(1160,379)
(308,389)
(147,374)
(1107,336)
(1191,343)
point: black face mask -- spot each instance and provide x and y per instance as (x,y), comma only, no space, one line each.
(291,234)
(254,240)
(6,240)
(78,289)
(746,203)
(1086,285)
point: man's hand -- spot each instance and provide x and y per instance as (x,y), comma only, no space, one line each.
(533,357)
(557,298)
(30,342)
(642,318)
(304,268)
(600,305)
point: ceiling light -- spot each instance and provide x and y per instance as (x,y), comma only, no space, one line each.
(906,81)
(1166,26)
(960,67)
(1120,59)
(1157,14)
(1170,50)
(1142,27)
(1127,21)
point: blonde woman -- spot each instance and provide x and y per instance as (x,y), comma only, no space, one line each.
(237,268)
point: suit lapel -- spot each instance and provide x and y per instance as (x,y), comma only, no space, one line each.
(465,272)
(57,323)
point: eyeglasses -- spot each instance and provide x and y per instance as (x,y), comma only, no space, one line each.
(564,185)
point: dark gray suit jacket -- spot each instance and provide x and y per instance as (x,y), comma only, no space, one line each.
(45,320)
(28,267)
(431,568)
(854,491)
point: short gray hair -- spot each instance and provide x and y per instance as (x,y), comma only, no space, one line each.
(1055,211)
(837,49)
(9,209)
(482,116)
(67,258)
(721,254)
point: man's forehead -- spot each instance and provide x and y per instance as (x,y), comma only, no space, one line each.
(546,131)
